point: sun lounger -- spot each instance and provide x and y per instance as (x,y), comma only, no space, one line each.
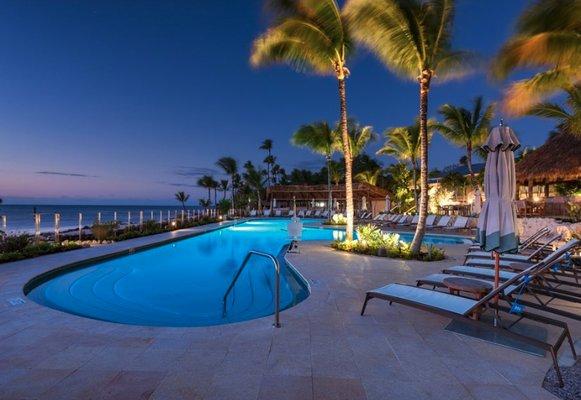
(378,217)
(267,212)
(513,257)
(459,223)
(404,221)
(525,244)
(325,214)
(443,222)
(308,213)
(301,213)
(464,309)
(291,213)
(253,213)
(317,213)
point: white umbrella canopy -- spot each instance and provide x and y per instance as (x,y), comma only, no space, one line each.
(364,203)
(497,228)
(477,205)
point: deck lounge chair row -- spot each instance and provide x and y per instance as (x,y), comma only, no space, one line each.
(534,280)
(290,213)
(444,222)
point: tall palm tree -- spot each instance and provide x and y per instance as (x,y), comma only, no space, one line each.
(403,143)
(224,187)
(312,35)
(182,197)
(215,185)
(321,139)
(269,160)
(206,182)
(254,178)
(568,117)
(547,37)
(336,172)
(466,128)
(413,39)
(230,168)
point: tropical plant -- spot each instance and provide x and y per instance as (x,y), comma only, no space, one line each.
(230,168)
(547,38)
(568,117)
(206,182)
(359,137)
(224,185)
(321,139)
(182,197)
(466,128)
(269,160)
(224,206)
(254,178)
(336,172)
(312,36)
(413,38)
(369,177)
(453,181)
(403,143)
(205,203)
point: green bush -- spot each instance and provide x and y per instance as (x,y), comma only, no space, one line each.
(336,219)
(372,241)
(9,244)
(104,231)
(35,250)
(224,206)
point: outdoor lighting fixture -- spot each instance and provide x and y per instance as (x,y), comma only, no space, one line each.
(173,223)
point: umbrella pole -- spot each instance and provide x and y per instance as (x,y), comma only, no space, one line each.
(496,256)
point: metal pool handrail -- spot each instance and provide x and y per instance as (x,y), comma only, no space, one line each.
(276,288)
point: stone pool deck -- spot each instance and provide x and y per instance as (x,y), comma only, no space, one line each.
(324,349)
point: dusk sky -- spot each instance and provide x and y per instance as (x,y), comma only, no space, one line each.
(116,102)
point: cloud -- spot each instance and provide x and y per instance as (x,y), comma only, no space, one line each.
(196,171)
(73,174)
(177,184)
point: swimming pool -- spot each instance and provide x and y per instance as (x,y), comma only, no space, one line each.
(183,283)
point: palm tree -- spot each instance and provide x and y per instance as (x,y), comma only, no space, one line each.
(182,197)
(369,177)
(313,36)
(336,172)
(206,182)
(359,137)
(466,128)
(403,143)
(568,120)
(547,37)
(214,185)
(269,160)
(224,188)
(413,39)
(230,168)
(255,180)
(321,139)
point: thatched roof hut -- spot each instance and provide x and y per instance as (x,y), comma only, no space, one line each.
(558,160)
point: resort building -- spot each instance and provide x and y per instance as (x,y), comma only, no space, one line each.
(549,177)
(365,196)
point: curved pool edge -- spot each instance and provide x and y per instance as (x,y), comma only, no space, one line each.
(68,267)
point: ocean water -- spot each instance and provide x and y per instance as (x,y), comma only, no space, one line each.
(20,218)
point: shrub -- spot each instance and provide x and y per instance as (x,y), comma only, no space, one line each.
(35,250)
(224,206)
(337,219)
(372,241)
(104,231)
(9,244)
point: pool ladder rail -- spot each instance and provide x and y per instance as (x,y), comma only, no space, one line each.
(276,265)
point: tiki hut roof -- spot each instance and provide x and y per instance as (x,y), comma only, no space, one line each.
(319,192)
(558,160)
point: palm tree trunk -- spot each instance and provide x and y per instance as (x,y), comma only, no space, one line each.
(232,190)
(415,181)
(348,160)
(330,197)
(209,195)
(424,80)
(469,164)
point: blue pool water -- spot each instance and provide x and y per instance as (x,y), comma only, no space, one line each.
(183,283)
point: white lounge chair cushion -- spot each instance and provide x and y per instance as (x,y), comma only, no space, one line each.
(430,220)
(432,298)
(466,270)
(444,221)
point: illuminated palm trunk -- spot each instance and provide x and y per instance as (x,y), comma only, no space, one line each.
(424,81)
(330,196)
(348,161)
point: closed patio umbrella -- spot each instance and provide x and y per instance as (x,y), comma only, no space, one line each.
(477,205)
(497,230)
(364,203)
